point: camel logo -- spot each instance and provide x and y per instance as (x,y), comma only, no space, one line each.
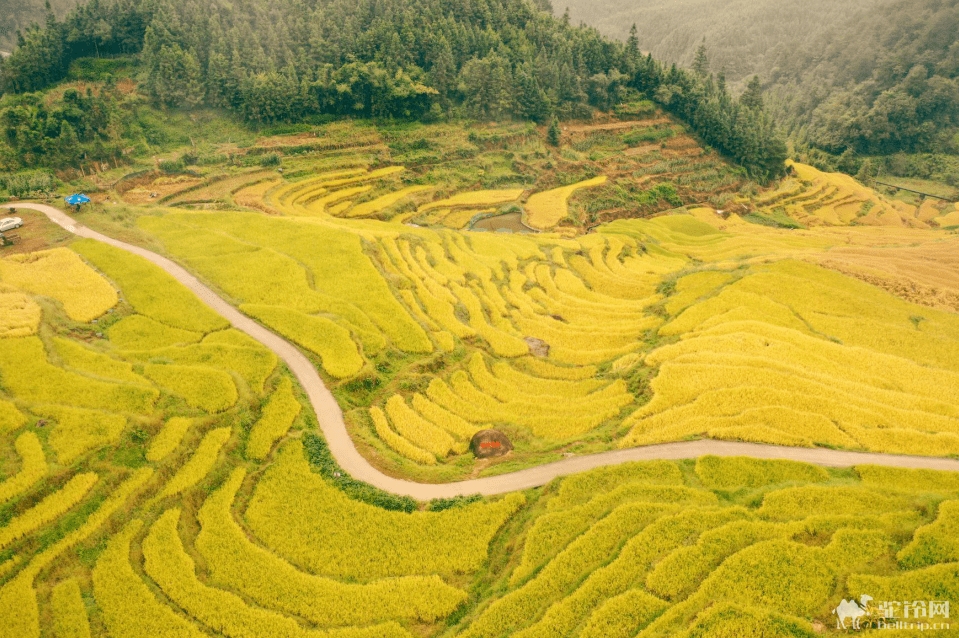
(853,611)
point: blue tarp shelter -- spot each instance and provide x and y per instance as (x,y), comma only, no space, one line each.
(77,199)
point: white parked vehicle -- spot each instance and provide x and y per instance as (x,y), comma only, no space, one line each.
(10,223)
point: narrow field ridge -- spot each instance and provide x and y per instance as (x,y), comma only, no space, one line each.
(330,417)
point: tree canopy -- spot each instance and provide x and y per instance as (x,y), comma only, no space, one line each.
(285,60)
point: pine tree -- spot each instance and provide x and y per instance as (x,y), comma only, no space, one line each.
(633,42)
(701,61)
(753,97)
(553,133)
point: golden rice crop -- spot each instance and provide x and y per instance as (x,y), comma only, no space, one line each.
(396,442)
(420,432)
(385,201)
(271,582)
(731,473)
(33,467)
(48,509)
(540,368)
(27,374)
(78,431)
(150,290)
(691,288)
(930,583)
(254,364)
(585,554)
(543,418)
(545,210)
(505,381)
(10,417)
(915,480)
(171,567)
(19,315)
(344,280)
(580,488)
(129,608)
(475,199)
(555,529)
(61,275)
(88,361)
(69,612)
(457,426)
(208,389)
(658,538)
(731,619)
(937,542)
(679,573)
(757,380)
(138,332)
(274,422)
(199,465)
(624,615)
(797,502)
(18,600)
(330,534)
(168,439)
(321,336)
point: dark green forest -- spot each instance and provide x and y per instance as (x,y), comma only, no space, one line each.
(297,60)
(18,15)
(846,80)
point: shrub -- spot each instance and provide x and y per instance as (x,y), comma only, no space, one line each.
(274,422)
(26,185)
(269,160)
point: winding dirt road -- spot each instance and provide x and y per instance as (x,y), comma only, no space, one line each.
(330,416)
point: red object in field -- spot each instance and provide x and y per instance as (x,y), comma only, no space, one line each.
(490,443)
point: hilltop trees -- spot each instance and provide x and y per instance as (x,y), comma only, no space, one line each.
(408,59)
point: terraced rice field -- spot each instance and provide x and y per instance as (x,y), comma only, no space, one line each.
(103,448)
(159,474)
(437,334)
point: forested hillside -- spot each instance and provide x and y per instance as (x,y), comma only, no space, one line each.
(408,59)
(872,77)
(744,37)
(18,15)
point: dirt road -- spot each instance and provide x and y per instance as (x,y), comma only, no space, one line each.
(341,445)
